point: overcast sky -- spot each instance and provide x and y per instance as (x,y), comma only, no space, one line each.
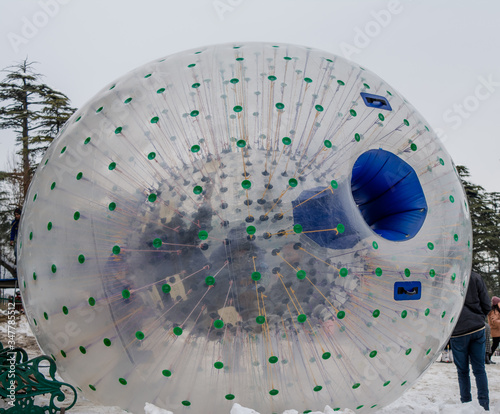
(441,55)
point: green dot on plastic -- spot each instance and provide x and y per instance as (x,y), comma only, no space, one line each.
(340,228)
(280,105)
(407,272)
(326,355)
(318,108)
(375,245)
(256,276)
(81,259)
(343,272)
(178,330)
(274,392)
(197,189)
(292,182)
(405,121)
(272,78)
(381,117)
(166,288)
(317,388)
(260,319)
(151,155)
(334,184)
(301,274)
(341,315)
(157,243)
(54,268)
(251,230)
(302,318)
(53,185)
(241,143)
(166,373)
(297,228)
(430,246)
(404,314)
(155,120)
(139,335)
(341,83)
(112,206)
(116,249)
(327,143)
(357,385)
(128,100)
(218,365)
(376,313)
(76,216)
(83,350)
(203,235)
(353,112)
(413,146)
(118,130)
(237,108)
(112,166)
(194,113)
(79,176)
(107,341)
(63,353)
(210,280)
(427,311)
(307,80)
(195,148)
(152,198)
(218,323)
(65,310)
(195,85)
(122,381)
(286,140)
(273,359)
(161,90)
(246,184)
(373,354)
(229,397)
(125,293)
(432,273)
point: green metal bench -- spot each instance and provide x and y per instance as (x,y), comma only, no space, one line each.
(21,381)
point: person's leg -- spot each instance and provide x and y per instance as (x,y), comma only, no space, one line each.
(476,351)
(496,341)
(459,347)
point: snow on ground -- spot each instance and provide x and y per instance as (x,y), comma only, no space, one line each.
(435,393)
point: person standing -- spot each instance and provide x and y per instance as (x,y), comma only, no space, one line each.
(468,341)
(494,321)
(14,227)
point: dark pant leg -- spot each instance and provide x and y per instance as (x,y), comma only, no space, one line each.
(496,341)
(460,349)
(476,351)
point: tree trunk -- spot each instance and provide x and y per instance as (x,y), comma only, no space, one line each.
(25,150)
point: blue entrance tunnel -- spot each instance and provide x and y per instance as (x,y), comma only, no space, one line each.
(388,193)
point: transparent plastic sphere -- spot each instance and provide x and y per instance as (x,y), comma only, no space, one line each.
(264,224)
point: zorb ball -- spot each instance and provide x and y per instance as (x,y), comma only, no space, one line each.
(265,224)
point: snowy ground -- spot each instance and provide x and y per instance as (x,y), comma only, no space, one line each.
(435,393)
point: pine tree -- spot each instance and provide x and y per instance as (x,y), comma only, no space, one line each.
(484,209)
(34,111)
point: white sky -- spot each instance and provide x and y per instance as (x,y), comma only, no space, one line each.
(441,55)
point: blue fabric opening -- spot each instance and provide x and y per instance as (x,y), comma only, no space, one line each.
(388,194)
